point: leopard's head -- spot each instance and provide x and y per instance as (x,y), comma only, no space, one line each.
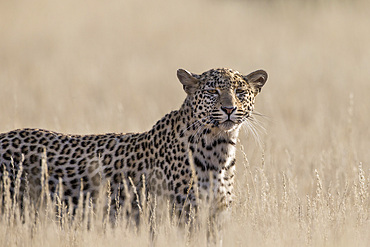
(221,98)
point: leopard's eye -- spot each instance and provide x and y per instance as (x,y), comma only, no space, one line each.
(212,91)
(240,91)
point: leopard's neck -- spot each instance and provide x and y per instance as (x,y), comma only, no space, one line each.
(211,153)
(211,148)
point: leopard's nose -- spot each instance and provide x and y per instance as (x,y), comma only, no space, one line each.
(228,110)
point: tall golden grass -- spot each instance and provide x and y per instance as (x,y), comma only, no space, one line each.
(94,67)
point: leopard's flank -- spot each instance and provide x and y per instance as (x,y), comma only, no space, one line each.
(201,134)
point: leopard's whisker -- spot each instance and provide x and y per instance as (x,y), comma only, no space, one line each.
(249,126)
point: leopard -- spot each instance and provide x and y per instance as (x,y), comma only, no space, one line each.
(188,156)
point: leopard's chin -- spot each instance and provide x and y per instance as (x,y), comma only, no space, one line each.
(228,125)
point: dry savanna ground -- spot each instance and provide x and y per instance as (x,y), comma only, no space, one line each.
(109,66)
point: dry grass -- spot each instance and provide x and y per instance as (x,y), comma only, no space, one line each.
(92,67)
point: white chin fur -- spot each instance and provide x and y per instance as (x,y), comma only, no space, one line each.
(228,126)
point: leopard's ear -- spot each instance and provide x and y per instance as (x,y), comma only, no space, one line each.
(256,80)
(189,82)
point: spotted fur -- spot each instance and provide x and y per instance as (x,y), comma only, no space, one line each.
(207,124)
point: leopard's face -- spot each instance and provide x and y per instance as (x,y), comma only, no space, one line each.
(223,98)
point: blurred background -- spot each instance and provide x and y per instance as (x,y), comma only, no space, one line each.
(110,66)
